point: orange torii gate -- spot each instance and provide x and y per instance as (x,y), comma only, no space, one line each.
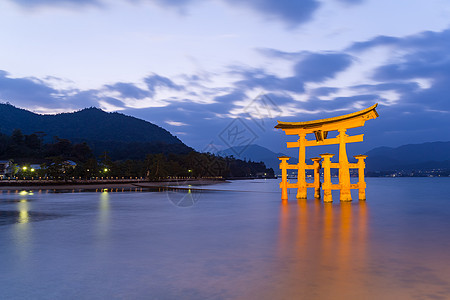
(320,129)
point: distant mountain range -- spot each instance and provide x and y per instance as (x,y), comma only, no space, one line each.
(255,153)
(123,136)
(426,156)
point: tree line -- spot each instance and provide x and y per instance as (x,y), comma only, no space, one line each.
(64,159)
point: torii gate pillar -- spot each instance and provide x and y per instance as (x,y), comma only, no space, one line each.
(344,171)
(327,177)
(284,182)
(301,189)
(361,183)
(316,168)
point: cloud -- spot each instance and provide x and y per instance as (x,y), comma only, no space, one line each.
(420,64)
(426,40)
(307,67)
(200,120)
(420,57)
(403,87)
(26,91)
(129,90)
(155,81)
(292,12)
(230,98)
(58,3)
(434,99)
(420,112)
(81,99)
(275,53)
(318,67)
(204,103)
(173,3)
(176,123)
(261,79)
(323,91)
(39,95)
(377,41)
(411,85)
(351,1)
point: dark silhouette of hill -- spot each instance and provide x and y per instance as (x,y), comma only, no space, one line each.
(254,153)
(120,135)
(419,157)
(424,156)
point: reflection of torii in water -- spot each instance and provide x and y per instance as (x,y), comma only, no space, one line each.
(320,129)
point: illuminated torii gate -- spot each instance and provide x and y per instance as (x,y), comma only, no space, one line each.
(320,129)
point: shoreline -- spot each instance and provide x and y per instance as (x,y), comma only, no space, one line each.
(106,185)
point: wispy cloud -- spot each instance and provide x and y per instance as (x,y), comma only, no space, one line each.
(175,123)
(411,86)
(58,3)
(291,13)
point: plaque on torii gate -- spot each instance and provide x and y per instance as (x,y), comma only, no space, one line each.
(320,129)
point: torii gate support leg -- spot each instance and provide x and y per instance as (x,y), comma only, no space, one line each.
(301,176)
(361,181)
(283,183)
(327,197)
(316,167)
(344,171)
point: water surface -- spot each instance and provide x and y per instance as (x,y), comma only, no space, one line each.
(236,241)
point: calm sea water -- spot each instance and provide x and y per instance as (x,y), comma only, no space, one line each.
(234,241)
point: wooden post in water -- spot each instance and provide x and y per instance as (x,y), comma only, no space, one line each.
(361,180)
(283,183)
(316,167)
(327,197)
(301,175)
(344,172)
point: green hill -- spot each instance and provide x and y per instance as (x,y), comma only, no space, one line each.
(122,136)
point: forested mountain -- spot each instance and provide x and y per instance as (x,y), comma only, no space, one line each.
(63,159)
(122,146)
(122,136)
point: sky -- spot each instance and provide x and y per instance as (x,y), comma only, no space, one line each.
(220,73)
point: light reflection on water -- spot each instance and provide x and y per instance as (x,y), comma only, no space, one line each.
(322,251)
(230,244)
(104,213)
(21,231)
(24,216)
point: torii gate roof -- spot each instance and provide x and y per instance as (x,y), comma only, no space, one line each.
(355,119)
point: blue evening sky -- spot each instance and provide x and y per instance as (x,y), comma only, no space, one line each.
(219,73)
